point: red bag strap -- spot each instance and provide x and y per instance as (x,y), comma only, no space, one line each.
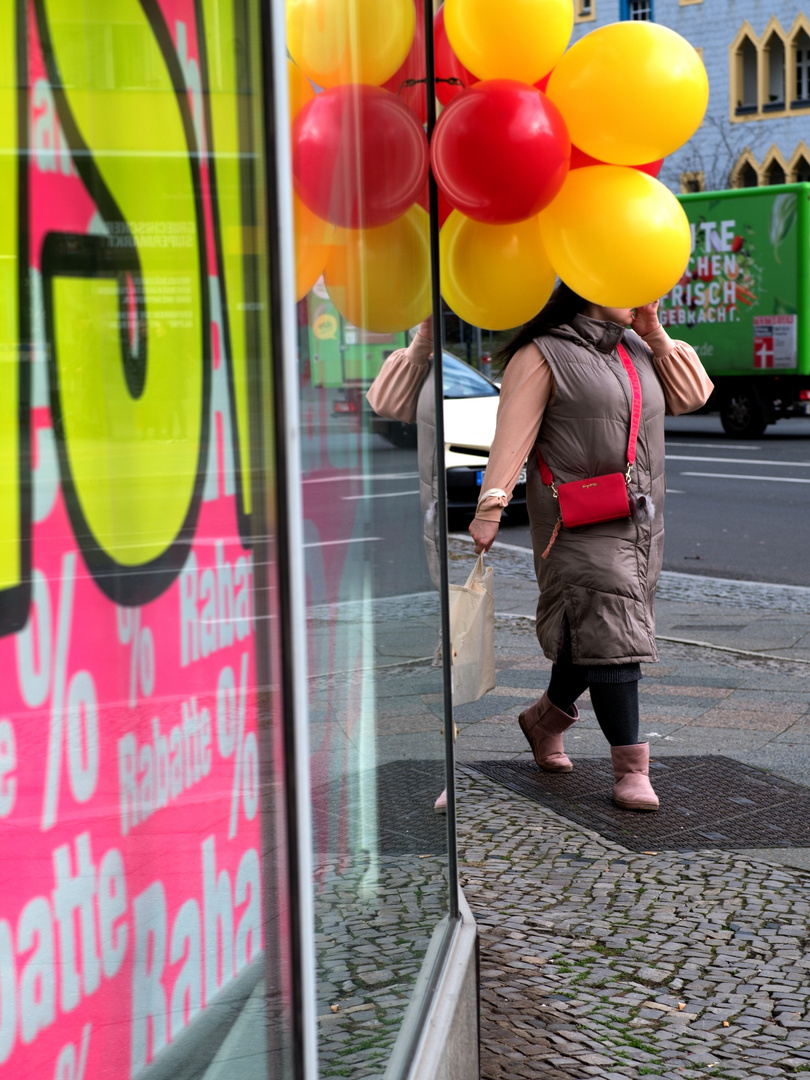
(635,419)
(635,406)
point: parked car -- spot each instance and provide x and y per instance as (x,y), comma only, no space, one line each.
(470,409)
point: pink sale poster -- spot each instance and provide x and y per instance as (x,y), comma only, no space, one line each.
(130,883)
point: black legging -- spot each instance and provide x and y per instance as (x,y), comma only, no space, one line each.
(615,702)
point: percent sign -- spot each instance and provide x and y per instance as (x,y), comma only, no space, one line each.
(79,714)
(142,655)
(67,1066)
(232,739)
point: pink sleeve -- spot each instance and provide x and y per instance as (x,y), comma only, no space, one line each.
(686,384)
(526,390)
(395,391)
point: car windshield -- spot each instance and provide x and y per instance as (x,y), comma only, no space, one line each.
(462,381)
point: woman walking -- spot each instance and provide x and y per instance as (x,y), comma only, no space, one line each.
(573,379)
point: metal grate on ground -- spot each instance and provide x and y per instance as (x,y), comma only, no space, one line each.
(706,802)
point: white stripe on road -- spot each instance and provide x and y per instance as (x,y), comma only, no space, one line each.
(740,461)
(379,495)
(354,540)
(746,476)
(713,446)
(362,476)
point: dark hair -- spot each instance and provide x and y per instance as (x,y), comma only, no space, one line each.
(560,308)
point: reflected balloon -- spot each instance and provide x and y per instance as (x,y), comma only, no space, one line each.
(509,39)
(336,42)
(616,236)
(413,70)
(379,279)
(494,276)
(360,156)
(630,92)
(313,243)
(299,88)
(447,64)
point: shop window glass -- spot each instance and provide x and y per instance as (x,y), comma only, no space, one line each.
(376,704)
(142,913)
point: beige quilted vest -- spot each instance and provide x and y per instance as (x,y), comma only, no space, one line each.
(602,576)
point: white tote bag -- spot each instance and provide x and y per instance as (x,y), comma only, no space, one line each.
(472,635)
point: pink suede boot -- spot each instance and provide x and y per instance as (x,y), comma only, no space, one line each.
(633,790)
(543,724)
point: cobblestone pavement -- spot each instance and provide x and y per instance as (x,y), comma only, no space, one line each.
(600,962)
(597,961)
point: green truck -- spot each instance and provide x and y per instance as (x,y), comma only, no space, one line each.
(744,302)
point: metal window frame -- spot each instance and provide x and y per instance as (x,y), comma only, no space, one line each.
(290,542)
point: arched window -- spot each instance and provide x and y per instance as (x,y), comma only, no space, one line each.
(801,69)
(774,73)
(801,171)
(774,174)
(747,93)
(745,175)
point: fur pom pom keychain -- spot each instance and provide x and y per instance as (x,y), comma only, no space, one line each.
(642,508)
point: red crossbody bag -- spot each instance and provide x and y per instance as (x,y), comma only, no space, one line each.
(598,498)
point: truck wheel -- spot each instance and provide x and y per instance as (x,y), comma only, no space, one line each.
(742,413)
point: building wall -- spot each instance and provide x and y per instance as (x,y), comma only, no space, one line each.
(725,141)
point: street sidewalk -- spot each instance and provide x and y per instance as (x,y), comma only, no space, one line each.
(602,959)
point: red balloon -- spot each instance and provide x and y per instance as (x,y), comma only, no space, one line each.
(652,168)
(500,151)
(447,65)
(360,156)
(579,159)
(541,84)
(414,67)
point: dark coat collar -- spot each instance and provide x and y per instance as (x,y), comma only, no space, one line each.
(604,336)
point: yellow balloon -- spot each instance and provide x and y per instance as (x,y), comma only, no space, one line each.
(494,276)
(616,236)
(314,240)
(300,89)
(349,41)
(630,92)
(379,279)
(509,39)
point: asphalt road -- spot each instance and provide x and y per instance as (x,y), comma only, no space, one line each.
(735,509)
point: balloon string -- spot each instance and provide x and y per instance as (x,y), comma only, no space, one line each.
(453,81)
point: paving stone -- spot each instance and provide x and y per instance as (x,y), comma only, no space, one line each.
(599,974)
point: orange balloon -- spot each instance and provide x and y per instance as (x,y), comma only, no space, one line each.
(379,279)
(300,89)
(314,240)
(616,236)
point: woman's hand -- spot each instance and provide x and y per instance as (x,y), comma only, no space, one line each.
(646,319)
(483,533)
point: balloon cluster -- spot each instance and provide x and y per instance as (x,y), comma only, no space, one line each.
(546,159)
